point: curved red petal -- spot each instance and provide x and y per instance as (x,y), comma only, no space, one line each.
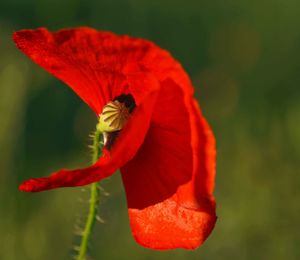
(169,183)
(123,150)
(93,63)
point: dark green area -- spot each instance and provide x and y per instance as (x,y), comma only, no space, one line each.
(244,59)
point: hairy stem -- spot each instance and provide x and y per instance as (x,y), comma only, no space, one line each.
(94,202)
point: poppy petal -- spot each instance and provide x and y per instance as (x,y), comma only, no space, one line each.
(125,147)
(169,183)
(95,64)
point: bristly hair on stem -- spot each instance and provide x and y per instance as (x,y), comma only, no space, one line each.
(92,216)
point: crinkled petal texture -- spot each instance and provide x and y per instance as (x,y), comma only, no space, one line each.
(166,151)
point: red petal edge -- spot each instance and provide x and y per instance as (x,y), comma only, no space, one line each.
(97,65)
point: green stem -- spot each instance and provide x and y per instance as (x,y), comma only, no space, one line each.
(94,202)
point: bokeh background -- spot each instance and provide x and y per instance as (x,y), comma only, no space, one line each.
(244,60)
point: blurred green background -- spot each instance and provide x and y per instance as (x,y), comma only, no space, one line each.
(244,59)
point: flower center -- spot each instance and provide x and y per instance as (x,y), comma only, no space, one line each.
(114,117)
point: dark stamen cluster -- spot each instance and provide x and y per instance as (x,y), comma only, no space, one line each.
(128,100)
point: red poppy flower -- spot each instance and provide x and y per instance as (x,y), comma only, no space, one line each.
(166,151)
